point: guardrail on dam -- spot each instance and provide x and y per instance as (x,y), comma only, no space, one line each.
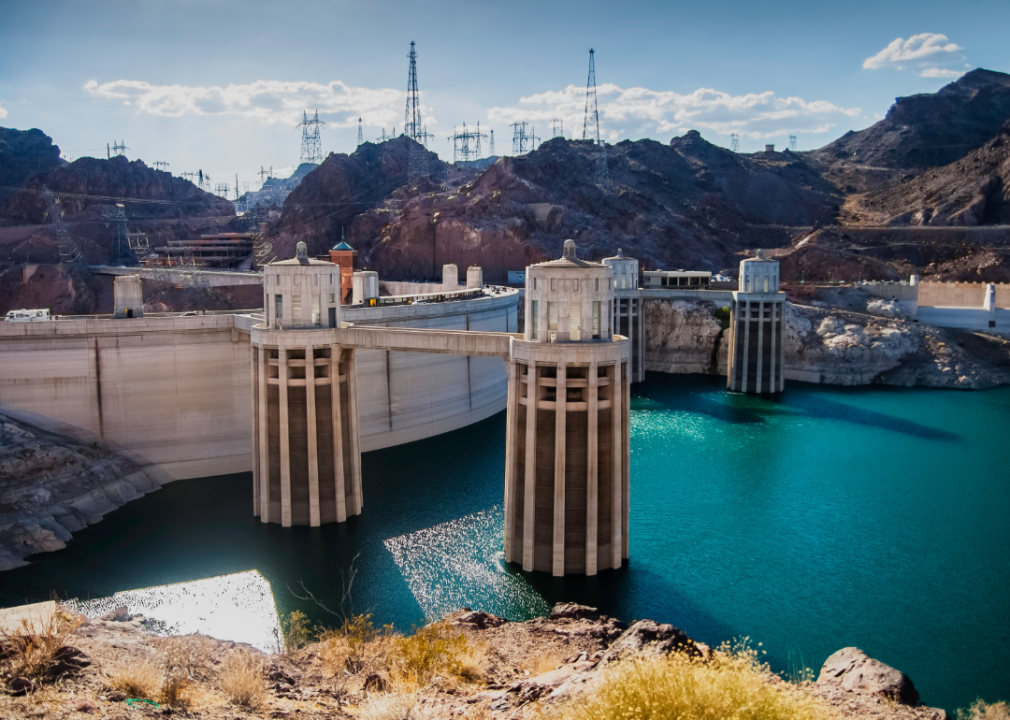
(177,391)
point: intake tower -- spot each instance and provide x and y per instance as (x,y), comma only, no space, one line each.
(567,463)
(756,348)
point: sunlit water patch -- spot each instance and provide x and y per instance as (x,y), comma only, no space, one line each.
(238,607)
(460,564)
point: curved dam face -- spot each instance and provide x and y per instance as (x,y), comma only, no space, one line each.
(177,391)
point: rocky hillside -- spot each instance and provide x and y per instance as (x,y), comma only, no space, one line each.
(87,183)
(686,204)
(24,154)
(329,198)
(870,344)
(974,190)
(923,131)
(52,486)
(470,664)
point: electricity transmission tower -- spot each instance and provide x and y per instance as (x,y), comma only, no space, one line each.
(490,151)
(69,252)
(265,174)
(312,147)
(734,142)
(222,189)
(160,164)
(792,143)
(522,141)
(557,128)
(466,144)
(188,175)
(591,123)
(413,128)
(117,148)
(360,138)
(128,246)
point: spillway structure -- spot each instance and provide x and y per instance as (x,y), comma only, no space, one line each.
(567,459)
(306,455)
(756,347)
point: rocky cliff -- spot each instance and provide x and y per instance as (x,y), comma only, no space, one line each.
(833,346)
(24,154)
(52,486)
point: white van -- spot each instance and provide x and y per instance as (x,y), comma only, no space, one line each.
(27,315)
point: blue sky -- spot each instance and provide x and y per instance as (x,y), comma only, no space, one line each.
(218,85)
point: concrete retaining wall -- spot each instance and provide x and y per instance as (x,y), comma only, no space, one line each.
(960,294)
(177,390)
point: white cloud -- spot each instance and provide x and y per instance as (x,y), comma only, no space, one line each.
(941,73)
(640,112)
(3,113)
(916,48)
(271,101)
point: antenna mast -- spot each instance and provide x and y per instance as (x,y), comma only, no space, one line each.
(413,128)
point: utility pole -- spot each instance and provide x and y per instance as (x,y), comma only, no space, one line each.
(734,142)
(312,147)
(792,143)
(491,149)
(591,123)
(360,138)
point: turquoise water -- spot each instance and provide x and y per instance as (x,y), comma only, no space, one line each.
(830,517)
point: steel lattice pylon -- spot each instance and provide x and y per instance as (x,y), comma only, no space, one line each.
(591,124)
(312,146)
(413,126)
(523,141)
(69,252)
(360,137)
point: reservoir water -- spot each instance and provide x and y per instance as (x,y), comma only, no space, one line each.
(873,517)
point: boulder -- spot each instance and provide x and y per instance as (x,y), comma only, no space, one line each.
(651,638)
(573,611)
(478,619)
(852,669)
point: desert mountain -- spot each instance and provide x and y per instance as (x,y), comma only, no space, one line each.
(24,154)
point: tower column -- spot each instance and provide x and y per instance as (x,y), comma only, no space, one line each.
(617,501)
(338,434)
(761,346)
(592,469)
(747,315)
(264,443)
(282,401)
(511,428)
(560,422)
(352,416)
(313,449)
(530,479)
(255,396)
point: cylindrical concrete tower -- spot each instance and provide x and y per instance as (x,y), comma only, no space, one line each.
(629,310)
(474,277)
(306,461)
(567,463)
(756,346)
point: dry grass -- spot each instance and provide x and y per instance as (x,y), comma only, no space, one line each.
(436,650)
(734,684)
(981,710)
(32,649)
(396,705)
(141,680)
(241,678)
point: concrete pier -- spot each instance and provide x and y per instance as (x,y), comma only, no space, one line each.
(756,347)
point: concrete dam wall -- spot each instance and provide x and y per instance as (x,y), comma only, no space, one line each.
(177,391)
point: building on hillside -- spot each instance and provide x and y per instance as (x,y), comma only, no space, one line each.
(231,250)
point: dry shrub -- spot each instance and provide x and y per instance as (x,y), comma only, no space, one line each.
(356,647)
(241,678)
(32,650)
(296,631)
(733,684)
(141,680)
(436,650)
(981,710)
(396,705)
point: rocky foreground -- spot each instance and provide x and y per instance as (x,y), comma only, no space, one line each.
(865,341)
(52,486)
(471,664)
